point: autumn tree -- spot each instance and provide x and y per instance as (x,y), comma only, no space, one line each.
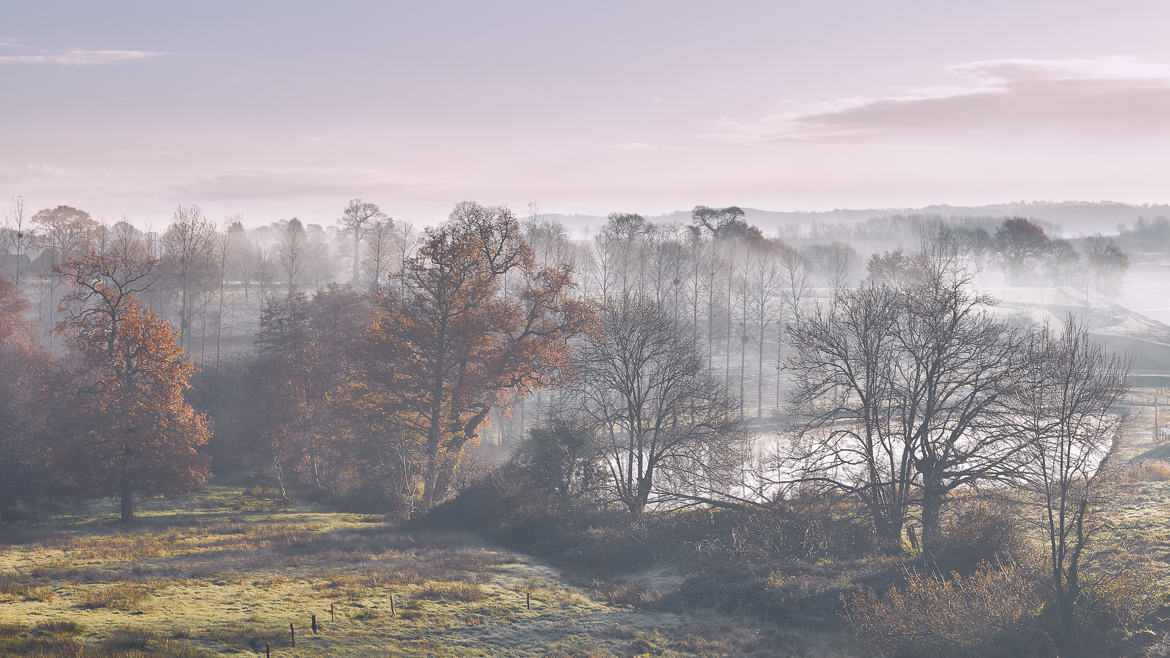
(1020,243)
(22,416)
(449,347)
(133,432)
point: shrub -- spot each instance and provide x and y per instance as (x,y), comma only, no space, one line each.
(979,531)
(990,612)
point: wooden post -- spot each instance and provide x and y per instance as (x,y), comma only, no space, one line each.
(393,612)
(314,624)
(267,651)
(332,615)
(528,599)
(292,634)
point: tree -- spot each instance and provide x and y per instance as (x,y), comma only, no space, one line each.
(849,442)
(67,232)
(133,431)
(189,258)
(1067,418)
(904,386)
(358,219)
(561,455)
(1107,263)
(955,365)
(293,252)
(17,237)
(668,431)
(378,257)
(306,349)
(1020,243)
(23,363)
(448,347)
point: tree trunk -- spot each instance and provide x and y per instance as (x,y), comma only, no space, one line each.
(357,244)
(126,498)
(933,497)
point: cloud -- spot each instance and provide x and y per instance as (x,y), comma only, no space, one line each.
(285,182)
(78,57)
(31,173)
(631,146)
(46,171)
(10,42)
(1116,96)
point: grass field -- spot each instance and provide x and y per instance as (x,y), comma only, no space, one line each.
(223,572)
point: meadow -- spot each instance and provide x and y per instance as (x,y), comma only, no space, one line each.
(227,570)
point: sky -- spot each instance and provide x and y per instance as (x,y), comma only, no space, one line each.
(274,109)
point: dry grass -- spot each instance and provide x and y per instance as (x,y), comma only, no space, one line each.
(628,594)
(451,591)
(122,596)
(1153,470)
(13,587)
(223,573)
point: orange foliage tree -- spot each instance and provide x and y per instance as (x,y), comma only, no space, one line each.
(449,344)
(133,431)
(23,363)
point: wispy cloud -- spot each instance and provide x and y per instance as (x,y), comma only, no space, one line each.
(1108,95)
(631,146)
(32,172)
(78,57)
(10,42)
(278,182)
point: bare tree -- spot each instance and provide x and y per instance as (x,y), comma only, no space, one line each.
(906,388)
(668,431)
(67,232)
(293,248)
(189,257)
(1067,419)
(1107,263)
(358,219)
(841,370)
(765,277)
(380,243)
(264,270)
(18,236)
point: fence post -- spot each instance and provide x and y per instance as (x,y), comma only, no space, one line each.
(314,617)
(292,634)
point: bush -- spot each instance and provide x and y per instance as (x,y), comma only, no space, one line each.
(979,531)
(990,612)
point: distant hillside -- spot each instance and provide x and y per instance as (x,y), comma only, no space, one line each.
(1076,217)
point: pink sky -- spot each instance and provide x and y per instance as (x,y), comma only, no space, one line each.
(275,109)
